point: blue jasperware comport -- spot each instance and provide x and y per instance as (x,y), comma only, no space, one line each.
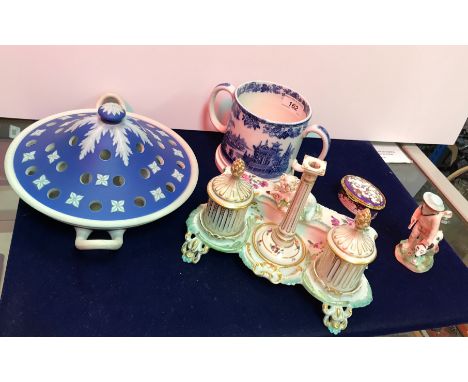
(102,169)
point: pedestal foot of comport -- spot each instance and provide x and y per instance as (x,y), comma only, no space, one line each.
(336,317)
(193,248)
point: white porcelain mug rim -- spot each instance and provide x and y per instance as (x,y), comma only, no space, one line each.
(265,120)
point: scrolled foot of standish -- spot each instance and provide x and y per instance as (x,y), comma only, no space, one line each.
(193,248)
(336,317)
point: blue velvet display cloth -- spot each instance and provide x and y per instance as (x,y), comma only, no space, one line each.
(145,289)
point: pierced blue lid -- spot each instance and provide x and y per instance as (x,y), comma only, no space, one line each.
(88,167)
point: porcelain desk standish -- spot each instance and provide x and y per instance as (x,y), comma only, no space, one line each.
(267,211)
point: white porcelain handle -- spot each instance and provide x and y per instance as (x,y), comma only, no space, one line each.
(110,97)
(323,134)
(214,118)
(82,242)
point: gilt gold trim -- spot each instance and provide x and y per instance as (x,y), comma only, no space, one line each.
(229,237)
(232,205)
(257,250)
(274,275)
(347,257)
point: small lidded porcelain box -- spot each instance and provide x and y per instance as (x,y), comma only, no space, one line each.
(229,198)
(358,193)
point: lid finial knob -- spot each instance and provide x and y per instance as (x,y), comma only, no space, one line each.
(237,168)
(111,112)
(362,219)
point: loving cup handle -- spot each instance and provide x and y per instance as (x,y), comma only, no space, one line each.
(212,111)
(323,134)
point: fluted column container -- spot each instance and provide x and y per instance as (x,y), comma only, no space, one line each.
(229,198)
(347,254)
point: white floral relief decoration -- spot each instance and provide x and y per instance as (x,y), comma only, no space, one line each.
(28,156)
(154,135)
(163,133)
(74,199)
(68,123)
(178,153)
(157,194)
(154,167)
(53,157)
(117,132)
(41,182)
(176,174)
(112,108)
(118,206)
(37,132)
(102,180)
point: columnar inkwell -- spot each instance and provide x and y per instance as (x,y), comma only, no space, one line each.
(229,198)
(347,255)
(221,223)
(336,275)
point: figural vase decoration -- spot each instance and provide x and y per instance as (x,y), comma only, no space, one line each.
(266,126)
(101,169)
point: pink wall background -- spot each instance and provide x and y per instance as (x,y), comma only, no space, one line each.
(381,93)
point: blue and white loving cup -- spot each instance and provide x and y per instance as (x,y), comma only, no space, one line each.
(266,127)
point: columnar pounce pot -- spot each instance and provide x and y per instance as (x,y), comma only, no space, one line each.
(349,250)
(229,198)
